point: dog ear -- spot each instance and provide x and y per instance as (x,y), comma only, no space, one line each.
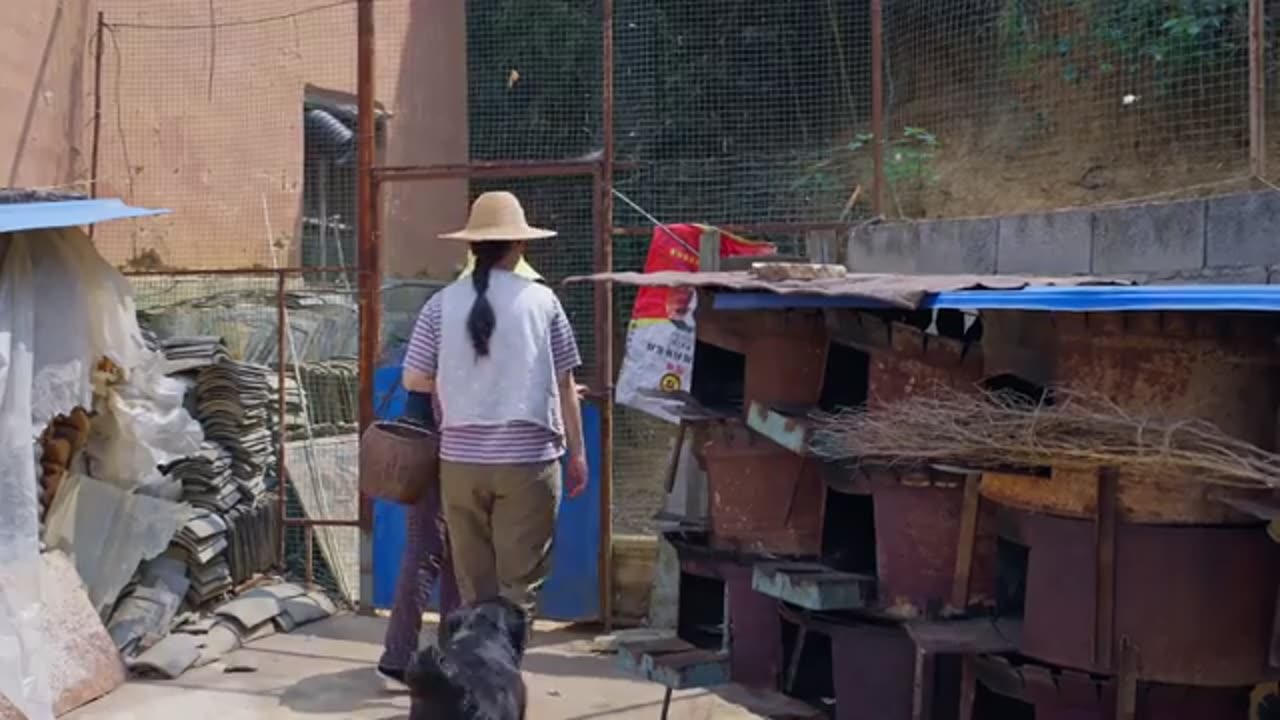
(428,675)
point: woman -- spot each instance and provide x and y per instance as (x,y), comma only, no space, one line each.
(497,353)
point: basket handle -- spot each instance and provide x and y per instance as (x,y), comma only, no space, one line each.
(391,393)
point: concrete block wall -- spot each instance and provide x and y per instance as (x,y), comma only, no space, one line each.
(1223,239)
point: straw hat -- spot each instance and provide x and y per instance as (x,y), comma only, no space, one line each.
(498,216)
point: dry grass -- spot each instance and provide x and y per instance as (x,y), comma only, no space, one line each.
(1000,430)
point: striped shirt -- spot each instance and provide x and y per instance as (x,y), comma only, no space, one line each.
(514,443)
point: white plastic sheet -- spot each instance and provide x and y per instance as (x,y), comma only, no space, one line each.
(108,532)
(62,307)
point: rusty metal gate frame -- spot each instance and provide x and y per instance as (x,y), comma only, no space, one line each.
(370,179)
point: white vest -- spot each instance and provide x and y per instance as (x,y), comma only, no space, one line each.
(516,381)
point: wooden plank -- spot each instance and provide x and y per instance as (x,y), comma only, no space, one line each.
(790,429)
(1072,492)
(709,250)
(975,636)
(692,669)
(1127,683)
(813,586)
(1105,587)
(968,688)
(673,663)
(1275,637)
(922,687)
(966,542)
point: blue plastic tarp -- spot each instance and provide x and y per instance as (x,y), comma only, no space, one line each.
(18,217)
(1084,298)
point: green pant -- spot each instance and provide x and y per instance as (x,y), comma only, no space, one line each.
(501,521)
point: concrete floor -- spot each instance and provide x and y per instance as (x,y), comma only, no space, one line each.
(326,671)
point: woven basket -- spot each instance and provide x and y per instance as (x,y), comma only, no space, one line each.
(398,461)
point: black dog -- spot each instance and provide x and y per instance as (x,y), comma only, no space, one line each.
(474,673)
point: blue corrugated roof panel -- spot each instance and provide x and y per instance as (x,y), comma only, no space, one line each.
(1084,298)
(17,217)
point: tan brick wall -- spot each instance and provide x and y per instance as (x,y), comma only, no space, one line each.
(208,121)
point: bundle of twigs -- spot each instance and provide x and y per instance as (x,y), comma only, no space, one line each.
(993,430)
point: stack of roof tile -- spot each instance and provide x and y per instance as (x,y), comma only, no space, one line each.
(187,354)
(233,403)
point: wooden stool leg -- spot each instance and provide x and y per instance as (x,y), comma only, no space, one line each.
(666,704)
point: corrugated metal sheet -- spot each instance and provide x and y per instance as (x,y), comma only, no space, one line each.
(1204,298)
(17,217)
(900,291)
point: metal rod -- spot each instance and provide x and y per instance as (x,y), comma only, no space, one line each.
(234,271)
(491,169)
(309,543)
(1257,88)
(311,522)
(604,314)
(750,229)
(100,42)
(282,327)
(369,264)
(877,106)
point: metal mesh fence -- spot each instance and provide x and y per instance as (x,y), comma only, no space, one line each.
(320,390)
(732,110)
(1001,106)
(239,116)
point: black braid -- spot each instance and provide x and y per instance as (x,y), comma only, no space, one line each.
(481,321)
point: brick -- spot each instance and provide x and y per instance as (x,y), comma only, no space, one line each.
(1058,243)
(957,246)
(1158,238)
(891,248)
(1244,229)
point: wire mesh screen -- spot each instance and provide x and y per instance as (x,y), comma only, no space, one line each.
(736,111)
(534,79)
(240,117)
(1000,106)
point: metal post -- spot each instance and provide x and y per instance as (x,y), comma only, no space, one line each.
(877,106)
(282,327)
(99,41)
(604,318)
(369,274)
(1257,89)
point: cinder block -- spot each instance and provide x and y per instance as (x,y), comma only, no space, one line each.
(1220,276)
(1244,229)
(958,246)
(891,248)
(1058,243)
(1156,238)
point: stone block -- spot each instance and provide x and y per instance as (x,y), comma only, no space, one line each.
(1219,276)
(1156,238)
(1243,229)
(891,248)
(957,246)
(1057,243)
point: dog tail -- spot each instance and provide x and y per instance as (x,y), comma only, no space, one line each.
(428,674)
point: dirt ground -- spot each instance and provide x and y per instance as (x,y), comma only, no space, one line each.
(326,671)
